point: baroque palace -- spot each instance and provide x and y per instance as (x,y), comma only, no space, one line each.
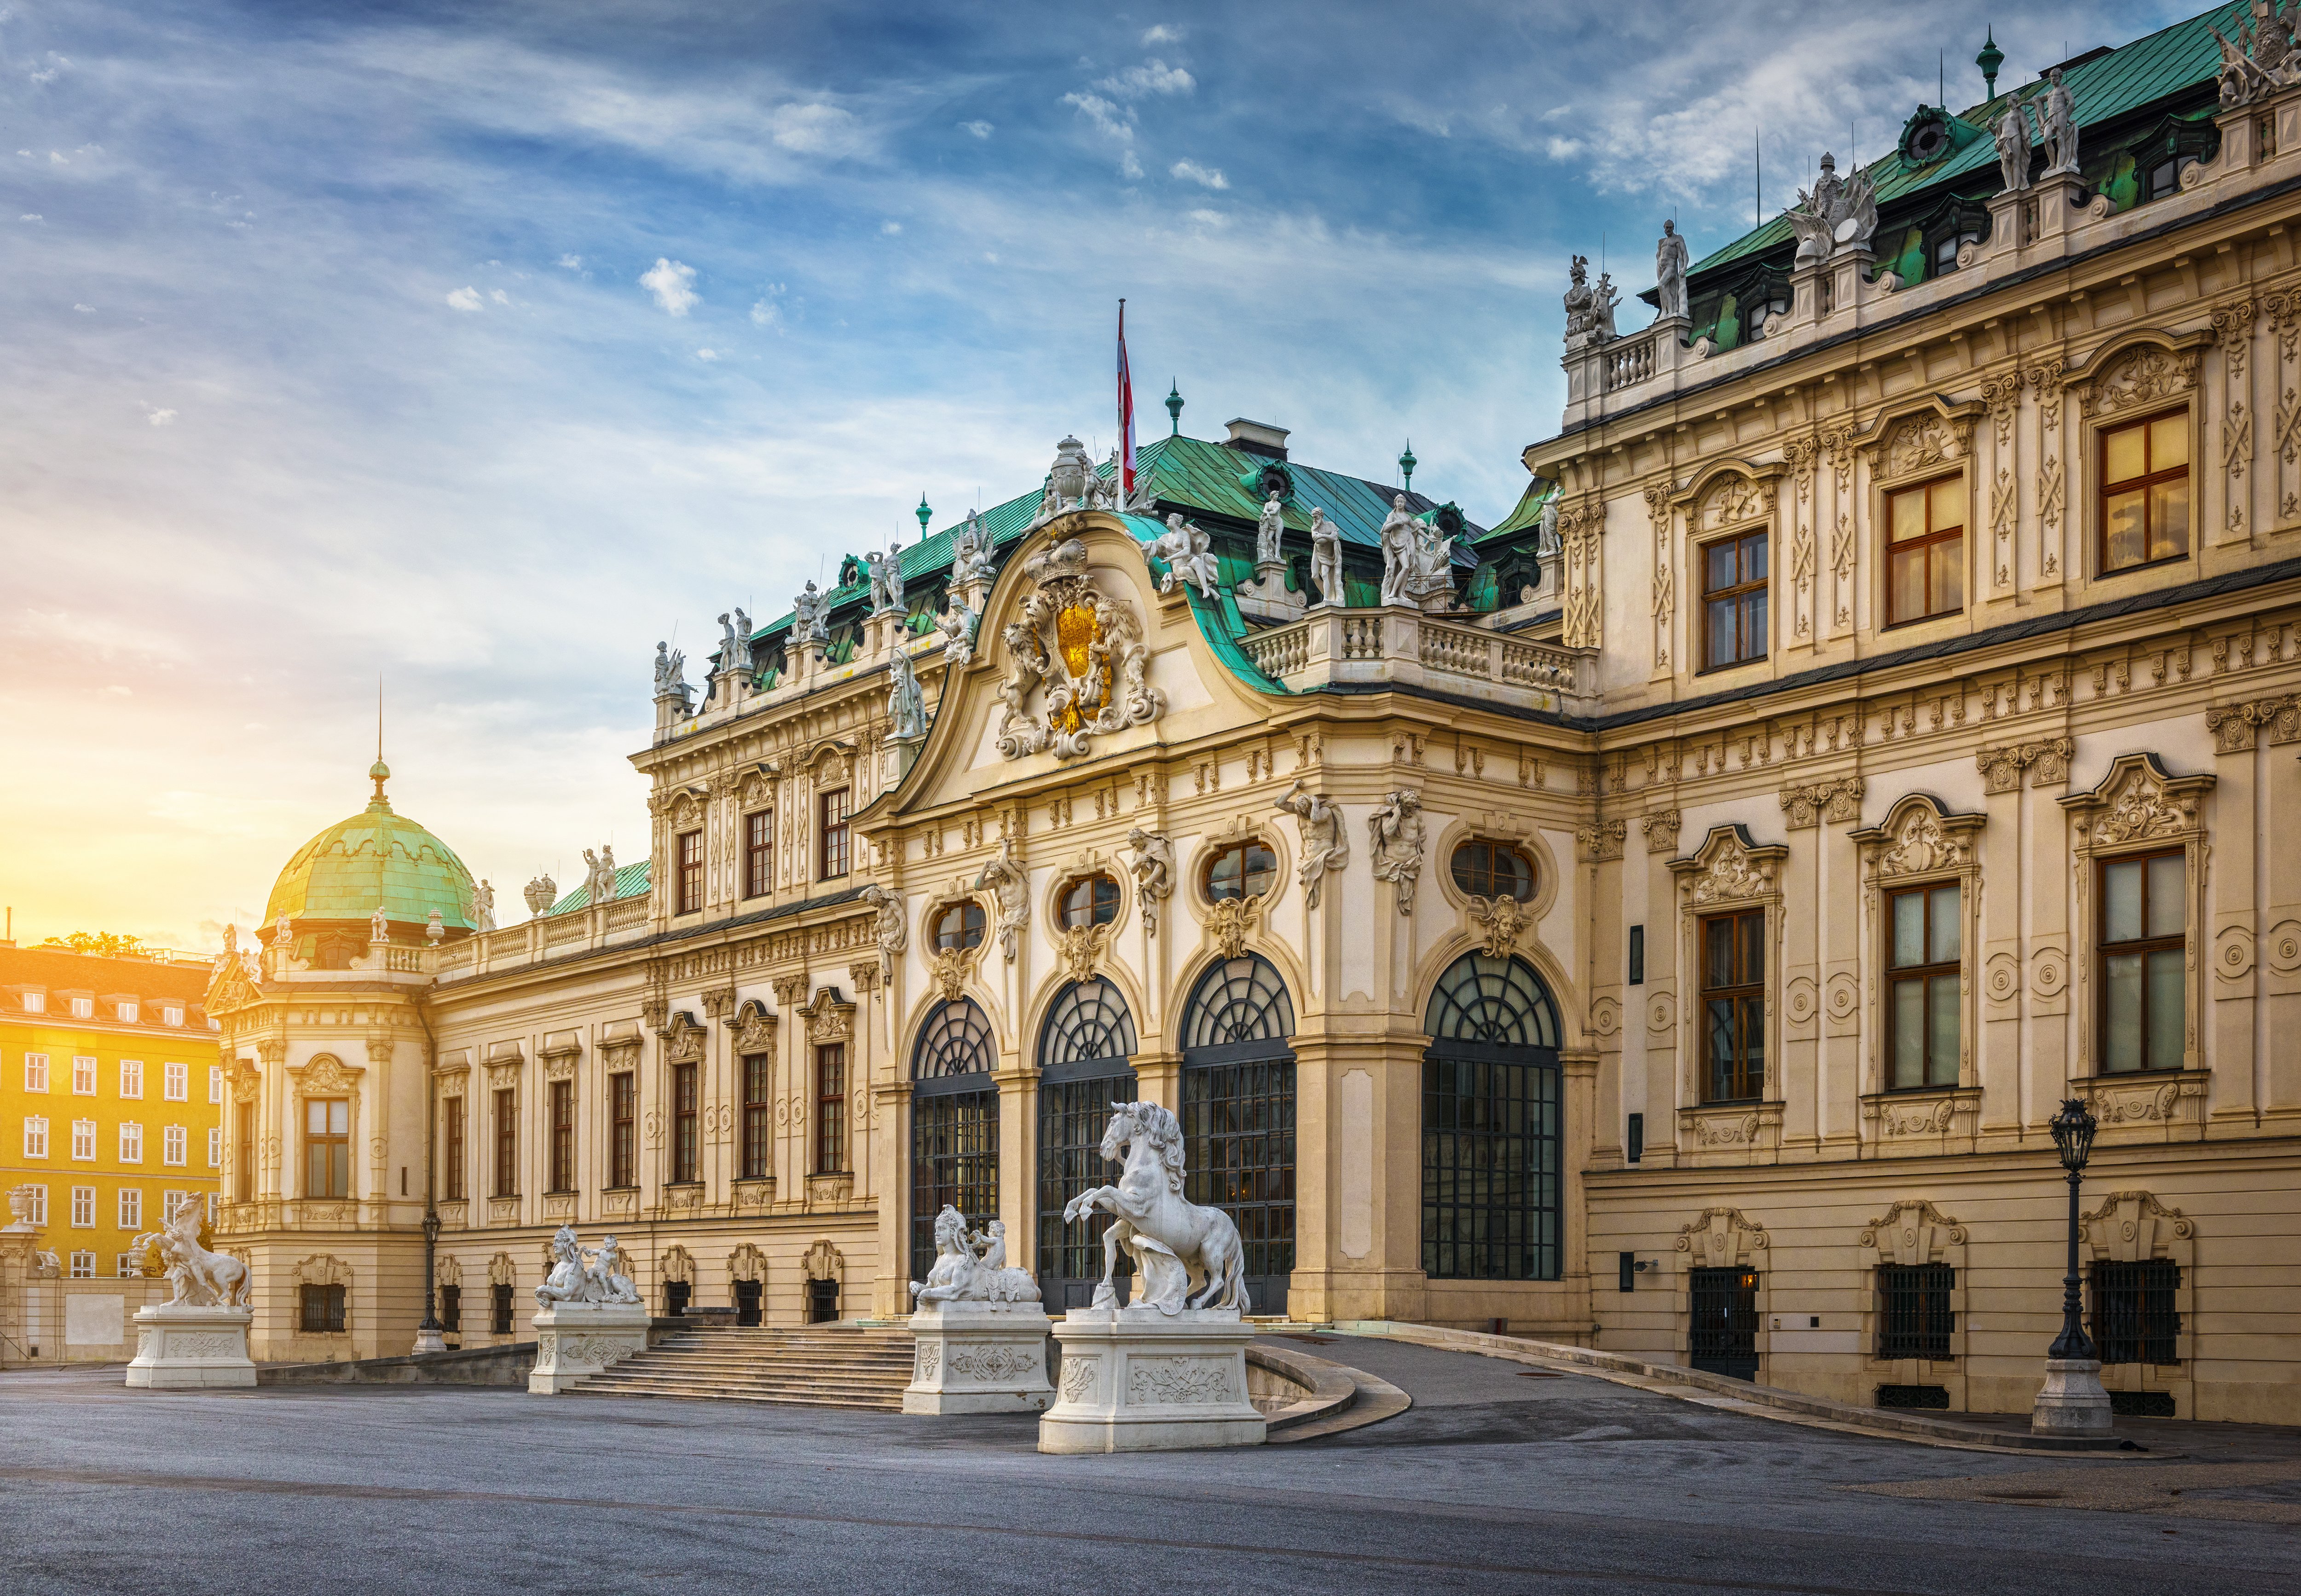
(1664,920)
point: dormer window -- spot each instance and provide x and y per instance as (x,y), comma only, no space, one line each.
(83,1009)
(127,1009)
(171,1015)
(35,1002)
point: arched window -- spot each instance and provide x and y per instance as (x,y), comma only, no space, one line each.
(1085,1064)
(1090,901)
(1242,870)
(954,1125)
(1238,1115)
(1485,869)
(1490,1125)
(958,925)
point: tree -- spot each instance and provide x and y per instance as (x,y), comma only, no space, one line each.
(110,944)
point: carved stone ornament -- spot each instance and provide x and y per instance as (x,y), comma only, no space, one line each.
(1081,652)
(1083,949)
(1229,919)
(1721,1236)
(1728,868)
(2155,1103)
(1919,443)
(1004,877)
(1732,500)
(1602,840)
(754,1028)
(2147,375)
(830,1018)
(2138,801)
(683,1041)
(887,924)
(1496,921)
(1810,803)
(2236,727)
(2001,768)
(1913,1232)
(1661,828)
(324,1074)
(1395,834)
(1324,847)
(2131,1226)
(1154,873)
(1917,837)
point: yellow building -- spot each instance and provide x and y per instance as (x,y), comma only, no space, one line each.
(110,1099)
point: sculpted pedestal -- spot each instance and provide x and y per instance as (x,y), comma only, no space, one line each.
(1135,1379)
(2071,1401)
(576,1339)
(979,1358)
(181,1347)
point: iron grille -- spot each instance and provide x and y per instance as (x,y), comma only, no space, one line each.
(1721,1333)
(748,1293)
(2134,1315)
(1914,1313)
(954,1160)
(1238,1141)
(1090,1021)
(1073,1115)
(1490,1111)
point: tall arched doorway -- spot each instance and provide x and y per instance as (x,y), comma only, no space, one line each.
(1238,1115)
(1085,1064)
(1490,1125)
(954,1125)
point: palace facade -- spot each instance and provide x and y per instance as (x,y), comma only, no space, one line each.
(1665,920)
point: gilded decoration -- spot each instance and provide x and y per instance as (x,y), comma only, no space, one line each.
(1081,652)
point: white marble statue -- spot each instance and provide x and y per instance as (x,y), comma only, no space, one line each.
(540,894)
(735,643)
(1545,534)
(2057,127)
(379,926)
(1416,561)
(1395,837)
(1326,557)
(970,559)
(1589,310)
(907,702)
(1189,555)
(972,1268)
(1154,872)
(886,574)
(1839,214)
(483,906)
(670,667)
(1176,1243)
(1325,848)
(1005,878)
(2011,129)
(200,1278)
(599,876)
(809,623)
(578,1276)
(1269,532)
(1670,273)
(957,626)
(889,927)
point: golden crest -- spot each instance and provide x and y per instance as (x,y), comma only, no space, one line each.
(1078,637)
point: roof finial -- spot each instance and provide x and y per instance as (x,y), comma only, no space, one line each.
(1175,406)
(1407,463)
(378,772)
(1990,59)
(924,514)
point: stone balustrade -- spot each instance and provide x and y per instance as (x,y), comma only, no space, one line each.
(1405,647)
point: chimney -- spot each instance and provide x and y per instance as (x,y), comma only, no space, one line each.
(1257,437)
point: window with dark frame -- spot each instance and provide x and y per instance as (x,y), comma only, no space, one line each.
(1492,1108)
(452,1136)
(690,873)
(1637,973)
(243,1160)
(327,1147)
(499,1310)
(323,1309)
(507,1105)
(1925,551)
(834,834)
(2144,925)
(1242,870)
(623,1147)
(563,1136)
(759,841)
(758,1117)
(451,1310)
(2136,1316)
(1734,601)
(1914,1312)
(1485,869)
(830,1109)
(686,1148)
(2145,492)
(1090,901)
(959,926)
(1734,1007)
(1923,955)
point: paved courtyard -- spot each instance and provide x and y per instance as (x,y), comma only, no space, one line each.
(1495,1480)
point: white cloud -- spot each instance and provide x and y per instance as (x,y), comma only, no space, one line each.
(574,262)
(669,281)
(500,296)
(119,691)
(1154,76)
(464,298)
(161,418)
(707,354)
(812,129)
(1107,117)
(1209,219)
(84,309)
(1562,149)
(765,313)
(1128,166)
(32,216)
(980,129)
(1161,35)
(57,158)
(1209,176)
(891,228)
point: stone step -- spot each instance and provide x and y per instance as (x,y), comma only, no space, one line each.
(810,1368)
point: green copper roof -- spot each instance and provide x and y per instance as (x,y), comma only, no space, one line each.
(375,857)
(1219,621)
(630,882)
(1527,513)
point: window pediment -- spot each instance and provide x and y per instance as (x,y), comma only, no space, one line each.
(1728,868)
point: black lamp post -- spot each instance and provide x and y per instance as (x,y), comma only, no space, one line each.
(2072,1129)
(430,1327)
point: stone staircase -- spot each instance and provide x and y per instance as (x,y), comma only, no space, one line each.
(820,1366)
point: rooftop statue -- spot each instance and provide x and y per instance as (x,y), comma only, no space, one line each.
(1176,1243)
(970,559)
(886,580)
(669,668)
(973,1268)
(1670,273)
(906,703)
(1269,532)
(957,626)
(1589,310)
(483,906)
(2264,58)
(2013,132)
(1326,557)
(579,1274)
(1416,561)
(808,609)
(2057,127)
(1189,555)
(540,893)
(735,642)
(1839,214)
(599,876)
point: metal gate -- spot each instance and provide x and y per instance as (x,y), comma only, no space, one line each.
(954,1160)
(1084,1066)
(1722,1332)
(1238,1141)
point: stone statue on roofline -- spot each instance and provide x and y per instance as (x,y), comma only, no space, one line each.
(1326,557)
(1188,553)
(2265,57)
(1839,213)
(970,559)
(540,894)
(670,671)
(1416,564)
(906,704)
(886,572)
(957,626)
(1589,310)
(809,626)
(2057,127)
(483,906)
(1269,532)
(1670,273)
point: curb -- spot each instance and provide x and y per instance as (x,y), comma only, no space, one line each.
(1342,1398)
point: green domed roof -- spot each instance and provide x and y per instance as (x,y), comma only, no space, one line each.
(375,857)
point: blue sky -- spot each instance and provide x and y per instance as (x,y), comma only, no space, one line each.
(478,347)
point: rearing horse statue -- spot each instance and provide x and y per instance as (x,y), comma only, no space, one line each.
(1173,1241)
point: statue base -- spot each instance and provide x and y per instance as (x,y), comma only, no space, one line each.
(1136,1380)
(182,1348)
(576,1339)
(2071,1401)
(979,1358)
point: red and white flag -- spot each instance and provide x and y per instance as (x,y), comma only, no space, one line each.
(1126,417)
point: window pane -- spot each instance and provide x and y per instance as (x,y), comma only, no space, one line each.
(315,1116)
(1753,947)
(2121,1041)
(2123,456)
(1908,929)
(2169,442)
(1754,559)
(1906,584)
(1942,1017)
(1261,866)
(1947,501)
(1949,582)
(2120,901)
(1753,625)
(1909,515)
(1718,560)
(2164,1042)
(339,1116)
(1720,1017)
(1721,649)
(1223,880)
(1945,931)
(2169,520)
(2121,540)
(1909,1022)
(2166,877)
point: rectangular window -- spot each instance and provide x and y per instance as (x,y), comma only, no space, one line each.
(36,1072)
(2145,492)
(1925,551)
(83,1265)
(131,1208)
(327,1147)
(1489,1164)
(39,1210)
(127,1010)
(84,1139)
(453,1135)
(36,1136)
(175,1145)
(215,1147)
(499,1310)
(129,1265)
(131,1078)
(2143,951)
(2134,1311)
(451,1310)
(176,1082)
(830,1109)
(1734,1006)
(83,1009)
(758,1117)
(1922,956)
(215,1083)
(686,1152)
(833,833)
(131,1142)
(1913,1315)
(83,1077)
(563,1136)
(83,1208)
(321,1309)
(1635,1139)
(36,1003)
(623,1162)
(1637,955)
(758,831)
(243,1156)
(507,1106)
(1734,601)
(169,1014)
(691,872)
